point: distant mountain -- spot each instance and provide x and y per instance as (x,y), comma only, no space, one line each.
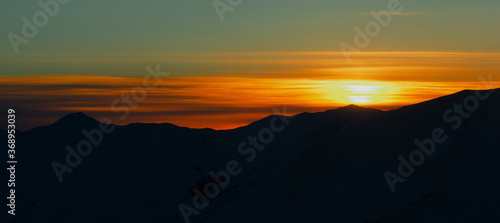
(312,167)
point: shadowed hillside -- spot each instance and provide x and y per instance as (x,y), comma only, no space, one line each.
(312,167)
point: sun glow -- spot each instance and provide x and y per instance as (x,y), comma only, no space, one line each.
(216,102)
(360,92)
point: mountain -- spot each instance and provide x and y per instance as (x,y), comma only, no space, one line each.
(329,166)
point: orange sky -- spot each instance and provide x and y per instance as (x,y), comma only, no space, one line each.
(302,81)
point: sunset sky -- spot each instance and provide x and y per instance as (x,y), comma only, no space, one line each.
(225,74)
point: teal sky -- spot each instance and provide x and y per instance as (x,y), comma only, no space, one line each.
(141,30)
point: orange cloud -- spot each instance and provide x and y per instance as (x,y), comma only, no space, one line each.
(216,102)
(259,81)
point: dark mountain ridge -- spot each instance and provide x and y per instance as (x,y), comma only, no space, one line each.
(326,166)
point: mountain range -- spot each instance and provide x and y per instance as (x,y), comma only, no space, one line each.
(331,166)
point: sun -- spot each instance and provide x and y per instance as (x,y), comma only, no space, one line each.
(359,92)
(362,94)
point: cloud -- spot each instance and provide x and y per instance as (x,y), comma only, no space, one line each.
(243,90)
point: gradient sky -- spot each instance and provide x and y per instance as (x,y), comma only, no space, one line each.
(261,53)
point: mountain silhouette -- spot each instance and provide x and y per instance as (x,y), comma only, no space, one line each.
(311,167)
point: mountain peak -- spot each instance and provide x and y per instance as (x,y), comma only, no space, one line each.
(76,115)
(71,121)
(352,106)
(77,118)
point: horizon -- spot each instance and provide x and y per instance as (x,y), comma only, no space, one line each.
(288,114)
(222,67)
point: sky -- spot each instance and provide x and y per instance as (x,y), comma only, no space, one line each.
(230,72)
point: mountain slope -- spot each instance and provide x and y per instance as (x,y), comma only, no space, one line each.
(326,167)
(342,180)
